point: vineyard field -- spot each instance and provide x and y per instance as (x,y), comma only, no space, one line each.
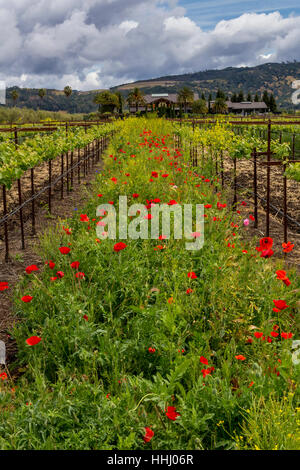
(143,344)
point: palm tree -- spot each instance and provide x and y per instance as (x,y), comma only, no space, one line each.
(68,91)
(15,96)
(42,93)
(185,96)
(136,97)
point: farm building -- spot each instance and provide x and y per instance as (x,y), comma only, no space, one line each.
(246,107)
(157,100)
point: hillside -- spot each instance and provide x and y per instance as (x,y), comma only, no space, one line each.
(55,100)
(275,78)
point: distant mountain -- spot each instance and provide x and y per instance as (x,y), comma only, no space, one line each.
(275,78)
(54,100)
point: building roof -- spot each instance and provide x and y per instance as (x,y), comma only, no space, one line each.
(171,97)
(247,105)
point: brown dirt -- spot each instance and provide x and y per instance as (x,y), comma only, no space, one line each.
(19,259)
(245,178)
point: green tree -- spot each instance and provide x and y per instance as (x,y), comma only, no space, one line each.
(220,106)
(199,107)
(107,101)
(120,101)
(272,104)
(266,98)
(15,96)
(42,93)
(234,98)
(249,97)
(68,91)
(136,98)
(203,96)
(185,97)
(220,94)
(256,99)
(240,97)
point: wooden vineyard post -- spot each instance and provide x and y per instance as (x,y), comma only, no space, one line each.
(21,214)
(50,183)
(268,180)
(72,170)
(5,225)
(293,147)
(68,177)
(234,204)
(62,178)
(255,188)
(32,202)
(285,205)
(79,165)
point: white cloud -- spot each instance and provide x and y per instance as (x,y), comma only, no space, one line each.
(101,43)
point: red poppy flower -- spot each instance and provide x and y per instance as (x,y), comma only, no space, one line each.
(258,335)
(280,305)
(149,434)
(203,360)
(60,274)
(151,350)
(119,246)
(165,175)
(274,334)
(84,218)
(154,174)
(3,376)
(239,357)
(114,180)
(33,340)
(64,250)
(31,269)
(207,371)
(80,275)
(75,265)
(208,206)
(4,286)
(100,195)
(171,413)
(135,195)
(287,247)
(189,291)
(283,277)
(172,202)
(192,275)
(85,317)
(265,243)
(51,264)
(267,253)
(27,299)
(286,335)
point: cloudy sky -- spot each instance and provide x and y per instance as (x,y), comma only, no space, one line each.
(91,44)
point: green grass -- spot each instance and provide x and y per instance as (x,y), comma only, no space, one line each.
(95,385)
